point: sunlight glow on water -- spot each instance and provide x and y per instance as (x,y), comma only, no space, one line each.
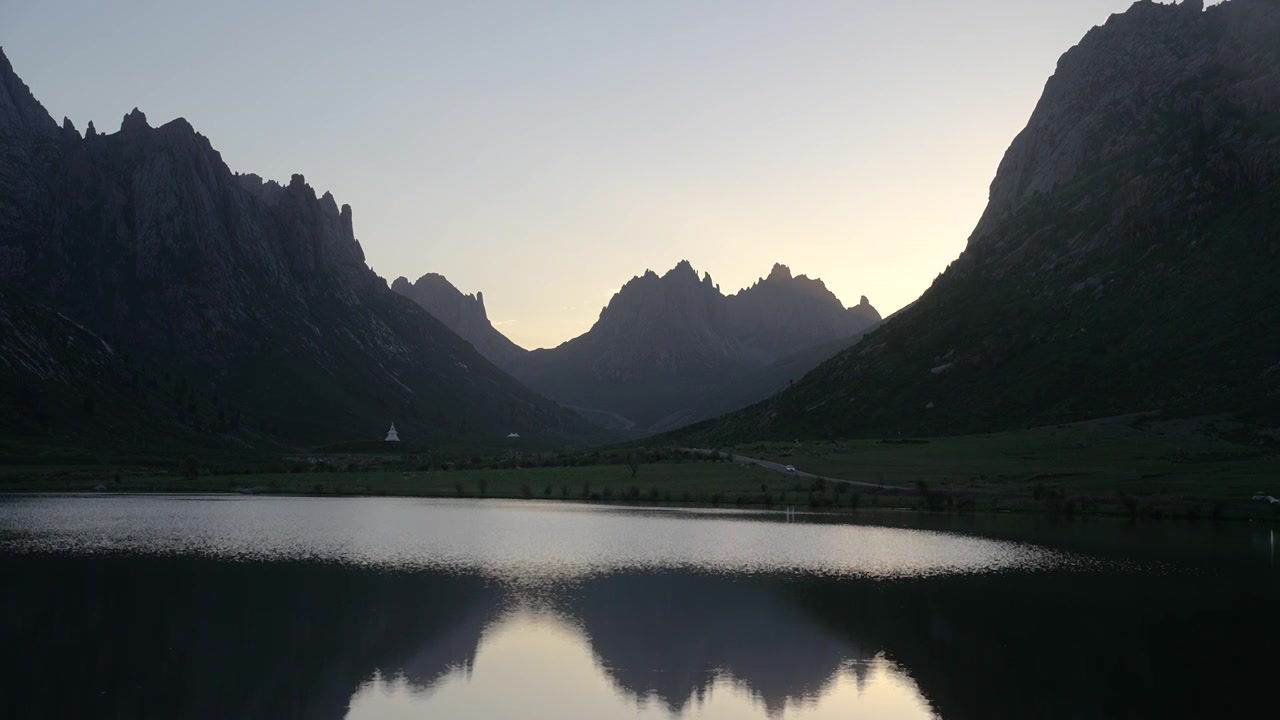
(526,542)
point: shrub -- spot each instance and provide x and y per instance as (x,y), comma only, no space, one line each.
(483,487)
(525,490)
(546,492)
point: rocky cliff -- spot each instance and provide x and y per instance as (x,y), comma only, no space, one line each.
(1126,261)
(463,314)
(256,294)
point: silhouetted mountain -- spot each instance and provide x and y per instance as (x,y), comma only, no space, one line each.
(463,314)
(669,350)
(1126,261)
(252,299)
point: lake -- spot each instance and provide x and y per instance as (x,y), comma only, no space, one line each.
(253,607)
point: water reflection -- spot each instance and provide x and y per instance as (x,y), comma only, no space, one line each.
(554,669)
(88,632)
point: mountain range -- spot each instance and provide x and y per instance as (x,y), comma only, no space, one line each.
(669,349)
(1126,261)
(158,295)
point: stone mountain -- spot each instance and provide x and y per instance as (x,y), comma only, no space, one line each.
(1127,260)
(218,296)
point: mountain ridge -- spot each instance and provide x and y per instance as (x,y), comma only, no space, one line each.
(676,334)
(255,293)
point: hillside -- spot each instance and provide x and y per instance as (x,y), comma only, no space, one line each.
(1126,260)
(250,298)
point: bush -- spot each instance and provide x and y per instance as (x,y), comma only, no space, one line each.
(483,487)
(546,492)
(525,490)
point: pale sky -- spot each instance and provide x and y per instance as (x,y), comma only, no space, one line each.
(546,152)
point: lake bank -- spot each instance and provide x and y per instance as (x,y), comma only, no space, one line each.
(723,485)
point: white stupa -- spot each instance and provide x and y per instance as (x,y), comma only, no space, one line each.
(392,436)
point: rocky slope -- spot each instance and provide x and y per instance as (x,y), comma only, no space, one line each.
(672,349)
(1126,261)
(463,314)
(254,295)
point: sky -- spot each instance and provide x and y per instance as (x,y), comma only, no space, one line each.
(546,152)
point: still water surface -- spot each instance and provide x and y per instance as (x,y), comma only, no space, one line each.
(218,607)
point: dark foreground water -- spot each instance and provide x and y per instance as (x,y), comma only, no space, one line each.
(214,607)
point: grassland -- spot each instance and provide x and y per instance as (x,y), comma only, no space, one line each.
(667,482)
(1122,466)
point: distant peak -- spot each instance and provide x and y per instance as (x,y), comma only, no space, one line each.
(136,120)
(297,181)
(90,131)
(684,267)
(865,302)
(779,272)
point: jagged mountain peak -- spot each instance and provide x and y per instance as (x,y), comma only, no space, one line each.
(135,120)
(683,270)
(256,293)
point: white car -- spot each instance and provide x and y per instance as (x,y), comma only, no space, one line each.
(791,468)
(1268,499)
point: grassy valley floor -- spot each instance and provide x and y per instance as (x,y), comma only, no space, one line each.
(1120,466)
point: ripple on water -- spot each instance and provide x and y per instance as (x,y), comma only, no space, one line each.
(512,541)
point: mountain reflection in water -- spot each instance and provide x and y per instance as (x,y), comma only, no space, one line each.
(114,635)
